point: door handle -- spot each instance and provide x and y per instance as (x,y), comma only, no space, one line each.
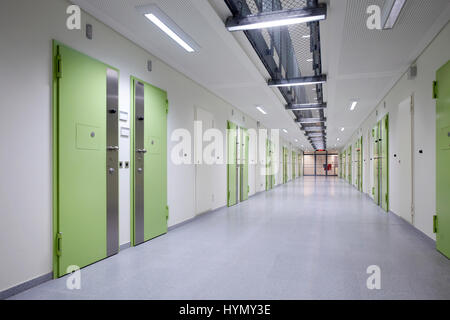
(141,151)
(113,148)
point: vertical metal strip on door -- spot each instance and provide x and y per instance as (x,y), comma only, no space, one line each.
(112,162)
(139,163)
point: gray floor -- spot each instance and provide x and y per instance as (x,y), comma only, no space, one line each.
(309,239)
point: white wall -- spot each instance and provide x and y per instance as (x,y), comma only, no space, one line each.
(424,133)
(28,28)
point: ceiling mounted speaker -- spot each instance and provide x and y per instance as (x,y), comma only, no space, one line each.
(412,72)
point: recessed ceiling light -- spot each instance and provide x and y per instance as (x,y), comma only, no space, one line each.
(306,36)
(307,81)
(353,106)
(342,129)
(260,109)
(338,139)
(275,19)
(285,131)
(391,12)
(168,26)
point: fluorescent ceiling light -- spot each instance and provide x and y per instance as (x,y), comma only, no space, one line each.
(276,19)
(309,60)
(307,36)
(311,120)
(390,13)
(353,106)
(261,110)
(285,131)
(168,26)
(306,106)
(296,83)
(276,23)
(169,32)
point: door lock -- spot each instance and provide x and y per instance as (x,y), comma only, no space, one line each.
(112,148)
(141,151)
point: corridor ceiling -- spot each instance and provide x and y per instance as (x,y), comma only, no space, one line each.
(360,64)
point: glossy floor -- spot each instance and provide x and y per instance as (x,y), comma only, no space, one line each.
(313,238)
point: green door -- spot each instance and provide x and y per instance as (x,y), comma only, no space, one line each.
(293,165)
(443,159)
(149,170)
(384,163)
(244,165)
(273,160)
(268,160)
(231,166)
(360,165)
(376,163)
(300,165)
(344,165)
(285,164)
(349,161)
(85,198)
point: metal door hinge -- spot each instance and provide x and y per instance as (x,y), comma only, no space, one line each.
(58,66)
(435,224)
(167,212)
(435,90)
(167,106)
(59,244)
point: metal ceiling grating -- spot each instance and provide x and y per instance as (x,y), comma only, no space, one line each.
(287,52)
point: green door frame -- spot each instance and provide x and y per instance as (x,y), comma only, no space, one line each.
(441,220)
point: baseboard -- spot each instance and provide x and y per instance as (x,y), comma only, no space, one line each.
(125,246)
(194,218)
(25,286)
(413,227)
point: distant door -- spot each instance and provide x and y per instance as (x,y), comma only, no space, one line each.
(293,165)
(403,160)
(376,163)
(300,165)
(203,172)
(85,160)
(232,165)
(350,164)
(268,166)
(359,170)
(442,226)
(245,141)
(384,190)
(149,170)
(286,165)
